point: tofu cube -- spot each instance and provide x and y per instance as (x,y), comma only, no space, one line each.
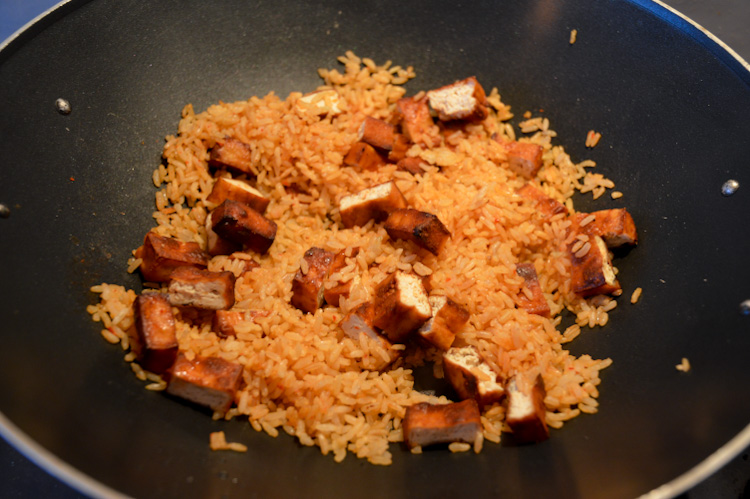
(155,327)
(224,321)
(232,154)
(422,228)
(237,190)
(401,306)
(415,165)
(358,323)
(524,158)
(240,224)
(537,303)
(592,273)
(333,295)
(307,285)
(374,203)
(544,205)
(448,318)
(363,156)
(162,255)
(616,227)
(400,145)
(526,413)
(208,381)
(191,287)
(427,424)
(416,121)
(472,377)
(377,133)
(216,245)
(462,100)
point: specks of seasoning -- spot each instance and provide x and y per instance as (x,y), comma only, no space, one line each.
(745,307)
(63,106)
(4,211)
(730,187)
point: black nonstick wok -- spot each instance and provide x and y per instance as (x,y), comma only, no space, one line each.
(671,105)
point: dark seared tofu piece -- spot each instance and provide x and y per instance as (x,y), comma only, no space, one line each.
(154,324)
(216,245)
(232,154)
(239,223)
(162,255)
(462,100)
(524,158)
(333,294)
(427,424)
(448,318)
(400,145)
(377,133)
(616,227)
(373,203)
(537,303)
(360,322)
(592,273)
(237,190)
(401,306)
(526,413)
(416,121)
(422,228)
(472,377)
(413,165)
(224,321)
(544,205)
(307,285)
(363,156)
(191,287)
(208,381)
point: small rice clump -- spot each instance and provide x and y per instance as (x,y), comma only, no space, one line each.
(302,375)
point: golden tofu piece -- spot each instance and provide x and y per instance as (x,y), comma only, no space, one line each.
(307,285)
(334,294)
(616,227)
(448,318)
(360,322)
(537,304)
(240,224)
(472,377)
(544,205)
(232,154)
(416,121)
(422,228)
(401,306)
(363,156)
(374,203)
(237,190)
(224,321)
(524,158)
(155,327)
(427,424)
(377,133)
(209,381)
(592,273)
(191,287)
(216,245)
(526,413)
(462,100)
(162,255)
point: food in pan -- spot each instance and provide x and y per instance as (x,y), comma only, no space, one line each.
(310,253)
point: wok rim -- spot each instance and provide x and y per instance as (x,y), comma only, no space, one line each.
(86,484)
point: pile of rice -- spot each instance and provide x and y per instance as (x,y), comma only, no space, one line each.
(302,376)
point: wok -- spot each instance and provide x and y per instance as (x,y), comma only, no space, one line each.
(672,107)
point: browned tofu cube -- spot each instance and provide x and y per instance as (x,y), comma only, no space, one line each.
(422,228)
(321,103)
(592,273)
(154,324)
(377,133)
(448,318)
(616,227)
(537,302)
(307,285)
(412,165)
(427,424)
(401,306)
(237,190)
(191,287)
(416,121)
(374,203)
(526,413)
(364,157)
(524,158)
(472,377)
(544,205)
(360,322)
(400,145)
(334,294)
(162,255)
(208,381)
(216,245)
(224,321)
(462,100)
(239,223)
(232,154)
